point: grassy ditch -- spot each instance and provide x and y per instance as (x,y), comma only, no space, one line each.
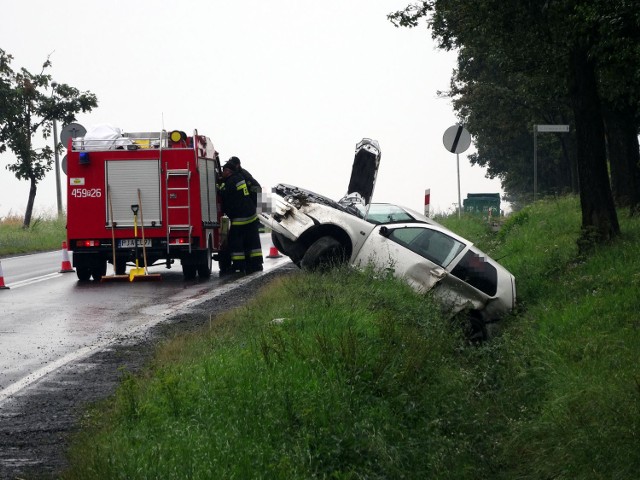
(45,233)
(352,375)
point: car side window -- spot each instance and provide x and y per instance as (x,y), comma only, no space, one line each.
(433,245)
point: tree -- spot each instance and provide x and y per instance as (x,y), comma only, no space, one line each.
(498,104)
(571,46)
(618,55)
(26,108)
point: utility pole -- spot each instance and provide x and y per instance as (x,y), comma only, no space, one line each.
(55,155)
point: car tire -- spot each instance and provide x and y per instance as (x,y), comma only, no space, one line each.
(324,253)
(294,250)
(477,329)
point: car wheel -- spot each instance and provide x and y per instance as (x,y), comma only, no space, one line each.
(477,328)
(324,253)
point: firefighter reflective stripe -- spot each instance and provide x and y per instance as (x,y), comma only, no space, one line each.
(244,221)
(257,252)
(242,186)
(237,256)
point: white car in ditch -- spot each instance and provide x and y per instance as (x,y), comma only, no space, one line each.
(315,231)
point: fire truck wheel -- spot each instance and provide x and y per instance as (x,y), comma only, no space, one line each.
(84,274)
(98,272)
(189,272)
(204,269)
(121,268)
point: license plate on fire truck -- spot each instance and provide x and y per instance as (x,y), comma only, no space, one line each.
(131,242)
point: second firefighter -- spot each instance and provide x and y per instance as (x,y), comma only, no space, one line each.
(244,236)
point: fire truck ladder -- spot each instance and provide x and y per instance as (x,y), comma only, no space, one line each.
(171,227)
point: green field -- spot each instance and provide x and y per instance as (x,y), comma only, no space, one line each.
(45,233)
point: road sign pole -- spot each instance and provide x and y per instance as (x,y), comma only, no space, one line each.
(54,85)
(457,139)
(459,202)
(535,162)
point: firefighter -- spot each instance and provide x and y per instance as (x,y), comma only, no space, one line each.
(252,183)
(244,238)
(255,189)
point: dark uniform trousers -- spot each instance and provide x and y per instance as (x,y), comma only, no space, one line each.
(244,244)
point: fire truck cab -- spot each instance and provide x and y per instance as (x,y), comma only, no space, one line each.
(148,197)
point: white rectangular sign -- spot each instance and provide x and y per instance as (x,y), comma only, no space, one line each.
(553,128)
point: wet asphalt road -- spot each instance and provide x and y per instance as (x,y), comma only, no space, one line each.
(49,319)
(65,345)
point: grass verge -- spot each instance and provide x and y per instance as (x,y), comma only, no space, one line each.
(349,375)
(45,233)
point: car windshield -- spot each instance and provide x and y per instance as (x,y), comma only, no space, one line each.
(386,213)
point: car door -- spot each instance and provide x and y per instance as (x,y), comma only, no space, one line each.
(414,252)
(424,256)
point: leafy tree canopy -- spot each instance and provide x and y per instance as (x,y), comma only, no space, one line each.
(526,62)
(29,104)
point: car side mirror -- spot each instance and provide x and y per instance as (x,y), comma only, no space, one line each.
(384,231)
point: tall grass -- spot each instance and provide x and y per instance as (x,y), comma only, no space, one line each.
(580,316)
(352,375)
(329,376)
(46,232)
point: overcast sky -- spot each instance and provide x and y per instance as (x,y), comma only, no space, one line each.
(288,86)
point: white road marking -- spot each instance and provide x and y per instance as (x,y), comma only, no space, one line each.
(31,281)
(16,387)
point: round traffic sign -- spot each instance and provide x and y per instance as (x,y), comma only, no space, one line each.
(72,130)
(456,139)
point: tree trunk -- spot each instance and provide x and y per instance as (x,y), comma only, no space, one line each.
(32,198)
(624,156)
(599,217)
(569,144)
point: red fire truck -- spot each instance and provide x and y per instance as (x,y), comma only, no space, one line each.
(153,187)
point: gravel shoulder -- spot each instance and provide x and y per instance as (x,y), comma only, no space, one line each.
(36,424)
